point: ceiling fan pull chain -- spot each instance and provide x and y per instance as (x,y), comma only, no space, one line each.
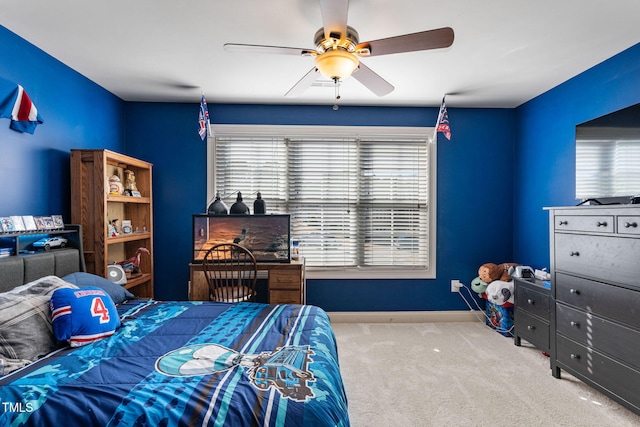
(337,93)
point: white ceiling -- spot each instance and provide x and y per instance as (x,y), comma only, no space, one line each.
(505,51)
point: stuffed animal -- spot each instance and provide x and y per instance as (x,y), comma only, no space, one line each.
(478,286)
(490,272)
(500,292)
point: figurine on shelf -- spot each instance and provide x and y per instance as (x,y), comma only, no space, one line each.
(115,186)
(130,187)
(131,266)
(113,228)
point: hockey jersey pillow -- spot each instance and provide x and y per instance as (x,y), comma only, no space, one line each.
(81,316)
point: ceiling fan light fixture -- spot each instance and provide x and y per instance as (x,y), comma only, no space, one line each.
(337,64)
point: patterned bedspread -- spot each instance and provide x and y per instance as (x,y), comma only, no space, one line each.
(189,363)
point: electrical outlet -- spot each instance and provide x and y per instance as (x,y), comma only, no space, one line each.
(455,285)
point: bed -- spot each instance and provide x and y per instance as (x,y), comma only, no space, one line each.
(164,363)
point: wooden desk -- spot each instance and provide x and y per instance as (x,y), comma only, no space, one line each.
(286,282)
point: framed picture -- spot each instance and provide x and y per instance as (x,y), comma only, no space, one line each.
(7,224)
(266,236)
(29,223)
(58,222)
(44,222)
(126,226)
(18,224)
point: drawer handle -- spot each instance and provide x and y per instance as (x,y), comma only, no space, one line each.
(602,223)
(630,224)
(575,356)
(574,253)
(530,301)
(575,324)
(574,291)
(563,222)
(531,327)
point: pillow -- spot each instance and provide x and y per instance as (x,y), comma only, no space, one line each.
(26,333)
(117,293)
(82,316)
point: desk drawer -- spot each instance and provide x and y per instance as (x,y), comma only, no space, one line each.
(285,279)
(285,297)
(532,301)
(593,332)
(612,302)
(606,258)
(599,223)
(597,368)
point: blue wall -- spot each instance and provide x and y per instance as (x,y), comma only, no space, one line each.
(545,153)
(77,113)
(500,169)
(474,187)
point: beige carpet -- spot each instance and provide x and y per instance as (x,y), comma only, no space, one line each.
(460,374)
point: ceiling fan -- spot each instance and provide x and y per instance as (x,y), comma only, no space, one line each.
(338,50)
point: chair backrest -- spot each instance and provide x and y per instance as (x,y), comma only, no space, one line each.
(231,272)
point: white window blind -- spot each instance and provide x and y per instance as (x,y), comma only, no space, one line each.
(355,202)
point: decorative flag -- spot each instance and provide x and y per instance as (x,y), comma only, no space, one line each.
(16,105)
(203,118)
(442,125)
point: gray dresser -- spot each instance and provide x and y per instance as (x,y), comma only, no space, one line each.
(595,298)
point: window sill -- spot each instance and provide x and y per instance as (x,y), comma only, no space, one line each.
(369,273)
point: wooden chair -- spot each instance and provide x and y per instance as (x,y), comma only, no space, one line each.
(231,272)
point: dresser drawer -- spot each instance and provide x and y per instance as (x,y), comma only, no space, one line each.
(531,301)
(532,329)
(589,365)
(603,335)
(612,302)
(590,223)
(629,225)
(606,258)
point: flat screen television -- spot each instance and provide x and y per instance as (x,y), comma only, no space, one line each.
(268,237)
(608,157)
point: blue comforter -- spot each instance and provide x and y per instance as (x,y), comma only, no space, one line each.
(189,363)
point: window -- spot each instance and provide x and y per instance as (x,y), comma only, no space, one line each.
(361,199)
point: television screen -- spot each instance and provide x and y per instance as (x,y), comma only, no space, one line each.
(608,156)
(266,236)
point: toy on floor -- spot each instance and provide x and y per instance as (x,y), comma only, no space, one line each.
(496,286)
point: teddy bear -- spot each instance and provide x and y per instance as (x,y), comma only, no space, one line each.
(490,272)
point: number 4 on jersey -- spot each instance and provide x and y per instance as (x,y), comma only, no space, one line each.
(98,309)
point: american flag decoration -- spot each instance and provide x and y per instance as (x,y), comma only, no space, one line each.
(203,119)
(442,125)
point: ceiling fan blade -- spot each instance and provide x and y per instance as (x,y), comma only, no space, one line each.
(423,40)
(334,17)
(256,48)
(304,83)
(372,81)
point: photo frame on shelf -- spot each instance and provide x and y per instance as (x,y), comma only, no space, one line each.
(29,223)
(18,224)
(44,222)
(7,224)
(126,226)
(58,222)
